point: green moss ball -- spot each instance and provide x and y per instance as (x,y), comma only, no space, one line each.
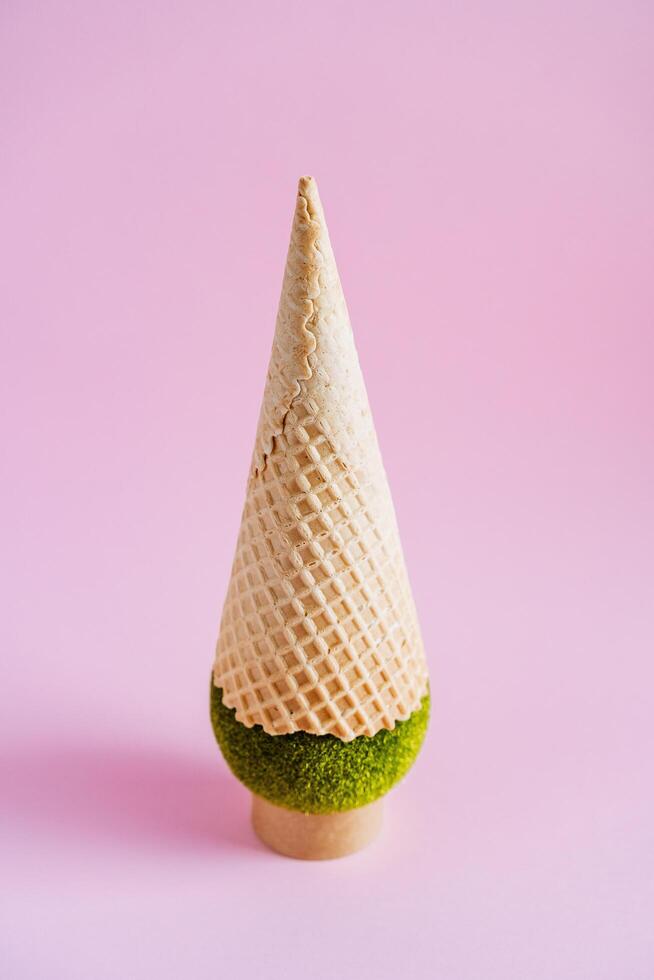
(317,773)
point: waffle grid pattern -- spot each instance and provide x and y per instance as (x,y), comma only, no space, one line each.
(312,636)
(319,631)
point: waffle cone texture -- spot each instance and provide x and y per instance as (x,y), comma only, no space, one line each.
(319,631)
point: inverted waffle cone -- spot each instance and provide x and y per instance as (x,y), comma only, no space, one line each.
(319,630)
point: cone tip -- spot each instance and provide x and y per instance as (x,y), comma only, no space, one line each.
(308,189)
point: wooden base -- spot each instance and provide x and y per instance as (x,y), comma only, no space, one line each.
(315,836)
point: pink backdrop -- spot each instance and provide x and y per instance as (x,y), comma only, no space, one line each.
(487,175)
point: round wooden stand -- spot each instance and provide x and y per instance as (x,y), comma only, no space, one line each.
(315,836)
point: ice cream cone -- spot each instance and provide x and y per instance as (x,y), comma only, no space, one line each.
(319,634)
(319,631)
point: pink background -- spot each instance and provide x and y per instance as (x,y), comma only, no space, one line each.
(487,175)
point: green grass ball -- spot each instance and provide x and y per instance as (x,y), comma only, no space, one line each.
(317,773)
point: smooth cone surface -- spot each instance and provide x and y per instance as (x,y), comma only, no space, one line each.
(319,631)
